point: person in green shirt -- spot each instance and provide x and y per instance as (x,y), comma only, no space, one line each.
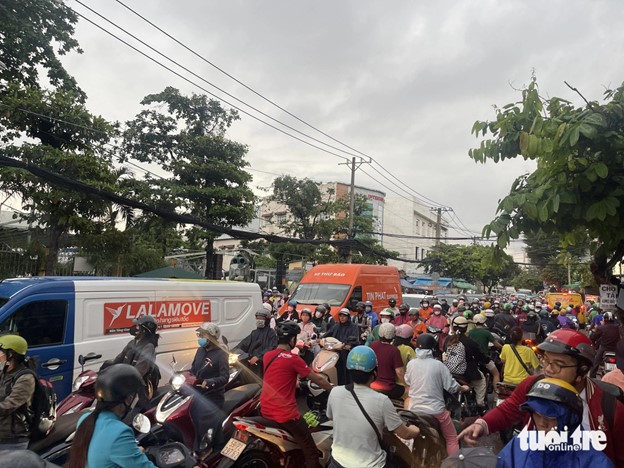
(482,336)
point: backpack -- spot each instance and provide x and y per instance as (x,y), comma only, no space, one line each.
(43,405)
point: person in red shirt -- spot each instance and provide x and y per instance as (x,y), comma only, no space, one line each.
(568,355)
(389,364)
(402,318)
(277,400)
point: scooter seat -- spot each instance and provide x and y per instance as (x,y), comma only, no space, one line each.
(239,395)
(63,427)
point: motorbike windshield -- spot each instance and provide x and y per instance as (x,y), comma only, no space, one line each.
(321,293)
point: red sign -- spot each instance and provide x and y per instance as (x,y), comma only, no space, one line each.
(120,316)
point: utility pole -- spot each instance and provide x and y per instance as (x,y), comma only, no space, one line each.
(439,222)
(354,167)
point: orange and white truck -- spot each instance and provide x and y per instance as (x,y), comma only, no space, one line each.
(344,285)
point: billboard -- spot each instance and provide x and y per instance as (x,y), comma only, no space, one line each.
(120,316)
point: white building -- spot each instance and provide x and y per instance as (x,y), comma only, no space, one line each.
(418,224)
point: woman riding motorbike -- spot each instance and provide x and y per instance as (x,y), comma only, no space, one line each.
(102,438)
(17,387)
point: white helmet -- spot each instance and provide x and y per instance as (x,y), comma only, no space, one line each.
(212,329)
(387,331)
(479,318)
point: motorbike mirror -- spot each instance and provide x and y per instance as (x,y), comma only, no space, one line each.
(141,423)
(81,360)
(225,340)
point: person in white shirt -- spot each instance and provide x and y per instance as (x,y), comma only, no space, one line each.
(355,443)
(427,379)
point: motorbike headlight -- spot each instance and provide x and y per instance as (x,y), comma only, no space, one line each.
(233,359)
(79,381)
(177,381)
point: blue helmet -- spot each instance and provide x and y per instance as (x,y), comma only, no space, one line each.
(292,302)
(362,358)
(368,303)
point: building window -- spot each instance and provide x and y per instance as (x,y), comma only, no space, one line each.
(416,254)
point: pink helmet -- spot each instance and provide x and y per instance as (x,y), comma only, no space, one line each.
(404,331)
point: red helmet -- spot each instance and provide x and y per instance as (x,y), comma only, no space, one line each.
(570,342)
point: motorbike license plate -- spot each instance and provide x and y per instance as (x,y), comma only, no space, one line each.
(609,366)
(233,449)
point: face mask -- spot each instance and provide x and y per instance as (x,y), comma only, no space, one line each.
(202,342)
(425,305)
(134,330)
(436,312)
(403,312)
(260,323)
(318,314)
(385,320)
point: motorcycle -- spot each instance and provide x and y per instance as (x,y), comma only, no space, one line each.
(83,389)
(429,448)
(503,391)
(608,363)
(327,358)
(174,416)
(465,404)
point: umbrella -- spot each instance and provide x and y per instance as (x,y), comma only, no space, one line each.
(477,457)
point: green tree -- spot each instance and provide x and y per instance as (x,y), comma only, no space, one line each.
(186,137)
(576,193)
(473,263)
(528,279)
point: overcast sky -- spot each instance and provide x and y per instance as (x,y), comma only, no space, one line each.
(402,81)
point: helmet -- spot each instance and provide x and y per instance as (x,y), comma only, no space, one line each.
(437,307)
(404,307)
(557,304)
(461,309)
(531,317)
(460,322)
(455,301)
(287,329)
(404,331)
(543,313)
(507,306)
(292,302)
(320,308)
(267,294)
(567,310)
(362,358)
(426,341)
(368,304)
(392,301)
(554,312)
(607,316)
(479,318)
(211,328)
(148,323)
(360,305)
(559,391)
(306,311)
(268,307)
(344,311)
(538,304)
(570,342)
(487,305)
(389,312)
(468,314)
(115,383)
(15,343)
(263,313)
(387,331)
(414,311)
(531,307)
(489,313)
(525,308)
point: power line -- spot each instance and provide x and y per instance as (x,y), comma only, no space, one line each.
(205,90)
(273,102)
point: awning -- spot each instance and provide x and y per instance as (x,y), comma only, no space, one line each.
(459,284)
(427,282)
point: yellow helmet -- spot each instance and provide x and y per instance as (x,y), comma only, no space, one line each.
(15,343)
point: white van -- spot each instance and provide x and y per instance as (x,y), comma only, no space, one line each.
(64,317)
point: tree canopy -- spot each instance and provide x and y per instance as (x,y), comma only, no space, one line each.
(473,263)
(577,190)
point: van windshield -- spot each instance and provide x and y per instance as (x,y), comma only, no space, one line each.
(321,293)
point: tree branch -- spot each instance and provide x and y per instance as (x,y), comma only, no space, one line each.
(577,92)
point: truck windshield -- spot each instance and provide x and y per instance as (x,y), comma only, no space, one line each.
(321,293)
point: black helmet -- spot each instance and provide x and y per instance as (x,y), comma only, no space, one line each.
(287,329)
(320,308)
(392,301)
(404,307)
(147,323)
(115,383)
(426,341)
(360,305)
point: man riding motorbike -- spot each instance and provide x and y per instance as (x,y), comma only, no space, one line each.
(346,332)
(277,400)
(259,341)
(402,317)
(363,321)
(605,338)
(368,310)
(389,364)
(355,442)
(568,355)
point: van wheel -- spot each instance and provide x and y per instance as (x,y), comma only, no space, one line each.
(254,459)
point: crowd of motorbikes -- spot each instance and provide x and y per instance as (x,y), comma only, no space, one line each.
(165,428)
